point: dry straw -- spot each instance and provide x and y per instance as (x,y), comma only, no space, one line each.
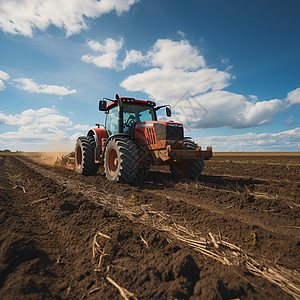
(211,246)
(103,267)
(214,247)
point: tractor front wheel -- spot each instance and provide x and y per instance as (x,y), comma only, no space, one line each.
(121,160)
(84,156)
(188,168)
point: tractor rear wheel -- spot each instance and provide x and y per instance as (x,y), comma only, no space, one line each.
(188,168)
(121,160)
(84,156)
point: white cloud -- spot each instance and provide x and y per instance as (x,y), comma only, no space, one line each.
(2,86)
(3,77)
(110,45)
(109,50)
(177,75)
(79,127)
(23,16)
(28,84)
(282,141)
(177,68)
(43,139)
(82,127)
(107,60)
(181,33)
(253,98)
(132,57)
(225,109)
(35,118)
(166,53)
(171,84)
(293,97)
(37,130)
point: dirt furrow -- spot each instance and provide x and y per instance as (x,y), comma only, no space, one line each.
(283,169)
(55,214)
(252,224)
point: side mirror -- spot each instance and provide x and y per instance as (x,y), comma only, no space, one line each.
(102,105)
(168,111)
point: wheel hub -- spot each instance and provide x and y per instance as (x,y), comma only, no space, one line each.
(112,161)
(116,162)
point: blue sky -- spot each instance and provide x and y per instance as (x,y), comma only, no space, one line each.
(230,69)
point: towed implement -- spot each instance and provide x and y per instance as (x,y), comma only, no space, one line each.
(67,161)
(132,140)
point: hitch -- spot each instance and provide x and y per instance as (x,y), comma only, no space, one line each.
(183,154)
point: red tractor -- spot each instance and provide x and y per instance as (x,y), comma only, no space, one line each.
(132,140)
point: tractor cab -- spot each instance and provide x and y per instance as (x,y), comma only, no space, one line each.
(124,113)
(133,112)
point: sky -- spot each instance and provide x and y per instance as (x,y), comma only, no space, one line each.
(229,69)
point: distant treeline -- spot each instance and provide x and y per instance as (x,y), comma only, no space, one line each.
(7,150)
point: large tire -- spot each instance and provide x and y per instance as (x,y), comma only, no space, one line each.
(121,160)
(188,168)
(142,173)
(84,156)
(145,165)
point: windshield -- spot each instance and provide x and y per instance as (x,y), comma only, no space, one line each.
(136,113)
(132,113)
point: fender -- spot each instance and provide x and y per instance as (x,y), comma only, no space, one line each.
(98,134)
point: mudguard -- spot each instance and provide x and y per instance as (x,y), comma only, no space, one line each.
(99,134)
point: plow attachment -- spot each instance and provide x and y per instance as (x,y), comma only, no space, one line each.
(66,161)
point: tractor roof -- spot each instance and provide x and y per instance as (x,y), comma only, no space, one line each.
(131,100)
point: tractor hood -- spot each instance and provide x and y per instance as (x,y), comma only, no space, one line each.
(152,123)
(158,134)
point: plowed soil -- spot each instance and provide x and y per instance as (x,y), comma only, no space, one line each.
(63,235)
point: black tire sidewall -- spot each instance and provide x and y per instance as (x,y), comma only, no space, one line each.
(195,166)
(87,147)
(129,155)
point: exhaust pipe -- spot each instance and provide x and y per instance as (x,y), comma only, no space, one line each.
(120,116)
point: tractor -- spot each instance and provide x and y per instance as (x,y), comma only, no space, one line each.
(132,140)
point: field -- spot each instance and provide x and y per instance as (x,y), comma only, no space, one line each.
(232,234)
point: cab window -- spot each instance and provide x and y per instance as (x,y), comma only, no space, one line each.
(136,113)
(111,123)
